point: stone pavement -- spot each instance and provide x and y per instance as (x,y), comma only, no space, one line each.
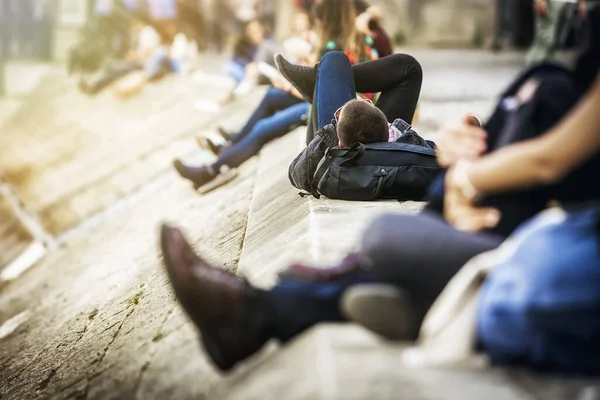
(97,319)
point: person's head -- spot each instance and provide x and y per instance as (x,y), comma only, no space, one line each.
(300,22)
(359,121)
(335,20)
(254,32)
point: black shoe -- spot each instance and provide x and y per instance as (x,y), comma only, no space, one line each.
(208,144)
(199,176)
(224,134)
(304,79)
(232,316)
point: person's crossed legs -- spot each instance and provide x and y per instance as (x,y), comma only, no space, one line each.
(398,77)
(418,254)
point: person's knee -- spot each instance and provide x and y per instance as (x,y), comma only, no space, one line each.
(381,235)
(408,61)
(335,58)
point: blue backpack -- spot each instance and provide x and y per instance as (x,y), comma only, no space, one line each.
(541,307)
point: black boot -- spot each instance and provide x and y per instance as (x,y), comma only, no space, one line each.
(198,175)
(304,79)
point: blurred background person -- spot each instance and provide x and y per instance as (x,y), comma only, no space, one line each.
(253,47)
(554,21)
(217,16)
(335,21)
(25,27)
(44,15)
(266,10)
(369,22)
(280,111)
(6,24)
(503,24)
(190,16)
(170,56)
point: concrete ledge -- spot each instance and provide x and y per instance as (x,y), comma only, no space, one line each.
(333,362)
(344,361)
(284,227)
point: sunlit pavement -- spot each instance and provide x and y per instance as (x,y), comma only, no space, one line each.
(97,318)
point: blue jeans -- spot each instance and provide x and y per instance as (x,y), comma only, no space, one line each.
(235,71)
(398,77)
(277,114)
(297,306)
(335,86)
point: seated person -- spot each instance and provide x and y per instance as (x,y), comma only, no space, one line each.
(281,110)
(237,319)
(252,48)
(146,41)
(397,77)
(369,22)
(169,55)
(277,114)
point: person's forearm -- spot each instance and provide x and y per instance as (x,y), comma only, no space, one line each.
(544,160)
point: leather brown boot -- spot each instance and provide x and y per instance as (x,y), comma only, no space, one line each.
(232,316)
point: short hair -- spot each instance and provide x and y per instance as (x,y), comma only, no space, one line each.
(362,123)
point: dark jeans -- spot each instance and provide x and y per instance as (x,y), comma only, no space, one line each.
(418,253)
(278,113)
(398,77)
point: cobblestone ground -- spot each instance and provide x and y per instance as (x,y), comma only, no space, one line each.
(97,319)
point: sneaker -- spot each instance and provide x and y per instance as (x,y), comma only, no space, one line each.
(304,79)
(382,309)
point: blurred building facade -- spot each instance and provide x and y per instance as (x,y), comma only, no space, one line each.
(412,22)
(447,22)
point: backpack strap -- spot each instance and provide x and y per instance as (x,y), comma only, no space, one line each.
(351,154)
(323,167)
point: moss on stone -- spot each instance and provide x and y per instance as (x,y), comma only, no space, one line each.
(93,314)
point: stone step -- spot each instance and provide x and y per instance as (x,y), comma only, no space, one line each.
(284,227)
(337,362)
(69,156)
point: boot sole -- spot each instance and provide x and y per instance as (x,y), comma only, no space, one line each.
(382,309)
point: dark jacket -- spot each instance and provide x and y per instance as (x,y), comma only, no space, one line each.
(304,166)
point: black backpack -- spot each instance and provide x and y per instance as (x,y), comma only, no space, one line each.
(376,171)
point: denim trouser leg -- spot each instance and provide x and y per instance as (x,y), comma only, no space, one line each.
(266,130)
(335,86)
(297,306)
(273,101)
